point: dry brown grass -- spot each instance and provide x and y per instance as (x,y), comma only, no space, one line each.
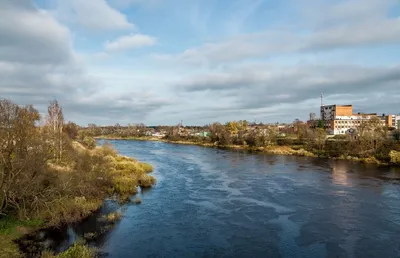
(286,150)
(146,181)
(113,216)
(70,210)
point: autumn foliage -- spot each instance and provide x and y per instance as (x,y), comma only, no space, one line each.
(45,174)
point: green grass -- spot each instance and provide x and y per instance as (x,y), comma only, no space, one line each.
(12,228)
(76,251)
(9,225)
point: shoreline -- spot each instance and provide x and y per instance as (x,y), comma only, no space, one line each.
(17,235)
(284,150)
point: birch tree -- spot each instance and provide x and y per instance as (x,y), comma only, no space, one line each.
(55,122)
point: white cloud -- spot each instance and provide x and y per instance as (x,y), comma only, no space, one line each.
(276,72)
(360,34)
(93,15)
(322,14)
(35,36)
(38,63)
(251,87)
(130,42)
(126,3)
(340,25)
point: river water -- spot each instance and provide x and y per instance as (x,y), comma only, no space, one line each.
(218,203)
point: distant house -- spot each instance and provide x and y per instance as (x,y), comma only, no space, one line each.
(158,134)
(204,134)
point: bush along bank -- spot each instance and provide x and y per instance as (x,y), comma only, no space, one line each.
(48,178)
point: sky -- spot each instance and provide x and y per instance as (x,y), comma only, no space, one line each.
(200,61)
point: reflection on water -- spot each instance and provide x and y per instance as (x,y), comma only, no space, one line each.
(217,203)
(340,173)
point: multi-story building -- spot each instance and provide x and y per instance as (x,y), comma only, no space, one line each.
(341,120)
(396,121)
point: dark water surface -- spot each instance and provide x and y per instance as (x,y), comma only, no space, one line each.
(217,203)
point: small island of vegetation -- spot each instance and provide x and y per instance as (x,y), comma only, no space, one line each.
(50,174)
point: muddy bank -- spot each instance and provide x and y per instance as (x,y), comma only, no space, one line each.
(91,231)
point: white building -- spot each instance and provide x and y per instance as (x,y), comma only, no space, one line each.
(396,121)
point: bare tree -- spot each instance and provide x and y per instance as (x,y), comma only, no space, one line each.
(23,155)
(55,122)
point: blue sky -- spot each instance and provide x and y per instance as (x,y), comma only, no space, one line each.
(163,61)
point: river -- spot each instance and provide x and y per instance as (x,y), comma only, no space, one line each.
(218,203)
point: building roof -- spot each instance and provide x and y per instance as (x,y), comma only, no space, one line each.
(337,105)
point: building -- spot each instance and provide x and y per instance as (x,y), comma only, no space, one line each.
(396,121)
(339,119)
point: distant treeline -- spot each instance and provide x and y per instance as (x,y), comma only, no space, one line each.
(373,141)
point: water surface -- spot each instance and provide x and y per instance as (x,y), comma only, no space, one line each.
(218,203)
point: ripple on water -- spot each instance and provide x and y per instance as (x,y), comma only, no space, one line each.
(215,203)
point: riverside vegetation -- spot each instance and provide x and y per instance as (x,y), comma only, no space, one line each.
(50,175)
(373,143)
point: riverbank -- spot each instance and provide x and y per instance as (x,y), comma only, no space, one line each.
(78,187)
(272,149)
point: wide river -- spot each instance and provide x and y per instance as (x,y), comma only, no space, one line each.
(218,203)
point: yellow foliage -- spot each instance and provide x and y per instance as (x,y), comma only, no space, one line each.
(285,150)
(395,157)
(147,168)
(125,185)
(146,180)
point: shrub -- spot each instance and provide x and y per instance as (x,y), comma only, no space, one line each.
(124,185)
(146,181)
(147,168)
(113,217)
(395,157)
(89,235)
(370,160)
(89,142)
(70,210)
(76,251)
(285,141)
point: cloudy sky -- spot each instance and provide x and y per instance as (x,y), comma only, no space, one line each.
(163,61)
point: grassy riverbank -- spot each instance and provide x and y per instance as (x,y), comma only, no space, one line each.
(276,150)
(289,150)
(93,175)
